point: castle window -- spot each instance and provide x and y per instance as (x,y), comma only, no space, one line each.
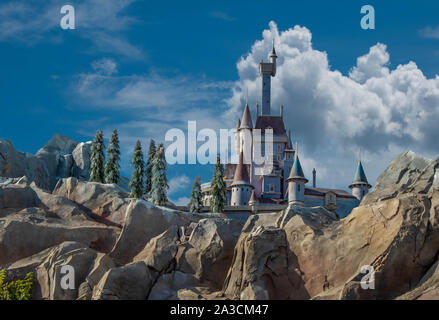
(298,188)
(271,187)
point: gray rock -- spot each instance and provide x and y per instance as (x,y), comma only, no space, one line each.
(24,235)
(130,282)
(402,172)
(81,158)
(105,202)
(209,251)
(168,285)
(15,164)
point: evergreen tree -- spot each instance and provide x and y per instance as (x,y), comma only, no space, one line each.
(148,172)
(159,180)
(97,158)
(218,188)
(195,203)
(112,174)
(136,181)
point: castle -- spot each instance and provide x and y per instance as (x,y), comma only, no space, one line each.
(251,189)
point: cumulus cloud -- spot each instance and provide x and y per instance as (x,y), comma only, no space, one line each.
(375,108)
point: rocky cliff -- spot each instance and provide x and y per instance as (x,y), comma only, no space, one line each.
(122,248)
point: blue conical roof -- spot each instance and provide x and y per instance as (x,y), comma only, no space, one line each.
(296,170)
(360,176)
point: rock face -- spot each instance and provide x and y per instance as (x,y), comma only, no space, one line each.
(105,202)
(15,164)
(60,158)
(123,248)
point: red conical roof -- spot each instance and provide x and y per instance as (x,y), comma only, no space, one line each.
(246,122)
(241,173)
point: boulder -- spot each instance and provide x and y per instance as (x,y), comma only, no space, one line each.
(402,172)
(143,222)
(105,202)
(81,160)
(260,266)
(15,164)
(160,252)
(130,282)
(169,284)
(49,274)
(209,251)
(22,235)
(52,154)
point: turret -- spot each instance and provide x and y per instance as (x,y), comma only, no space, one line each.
(360,186)
(296,184)
(245,134)
(241,186)
(267,70)
(254,202)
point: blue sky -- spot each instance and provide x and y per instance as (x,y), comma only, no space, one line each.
(146,66)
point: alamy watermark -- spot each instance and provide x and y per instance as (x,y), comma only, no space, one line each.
(202,147)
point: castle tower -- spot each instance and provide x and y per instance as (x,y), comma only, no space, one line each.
(245,135)
(254,202)
(267,70)
(241,186)
(296,184)
(360,186)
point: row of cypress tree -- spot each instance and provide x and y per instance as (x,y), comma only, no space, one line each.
(148,180)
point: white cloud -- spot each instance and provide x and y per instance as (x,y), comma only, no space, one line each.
(102,22)
(375,108)
(178,183)
(105,66)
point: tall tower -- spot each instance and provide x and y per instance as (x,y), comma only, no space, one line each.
(241,186)
(360,186)
(296,184)
(267,70)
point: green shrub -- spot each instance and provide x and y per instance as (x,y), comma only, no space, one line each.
(16,290)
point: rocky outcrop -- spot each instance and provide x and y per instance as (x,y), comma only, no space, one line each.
(104,202)
(15,164)
(60,158)
(25,234)
(208,252)
(124,248)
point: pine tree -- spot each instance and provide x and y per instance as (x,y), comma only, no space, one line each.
(97,158)
(195,204)
(159,180)
(112,174)
(218,188)
(148,172)
(136,181)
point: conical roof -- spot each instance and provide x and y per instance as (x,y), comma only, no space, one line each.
(297,171)
(360,176)
(253,197)
(241,174)
(246,122)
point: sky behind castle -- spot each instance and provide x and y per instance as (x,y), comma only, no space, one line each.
(144,67)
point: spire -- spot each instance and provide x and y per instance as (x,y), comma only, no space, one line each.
(360,176)
(241,173)
(246,122)
(296,170)
(253,198)
(273,51)
(239,124)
